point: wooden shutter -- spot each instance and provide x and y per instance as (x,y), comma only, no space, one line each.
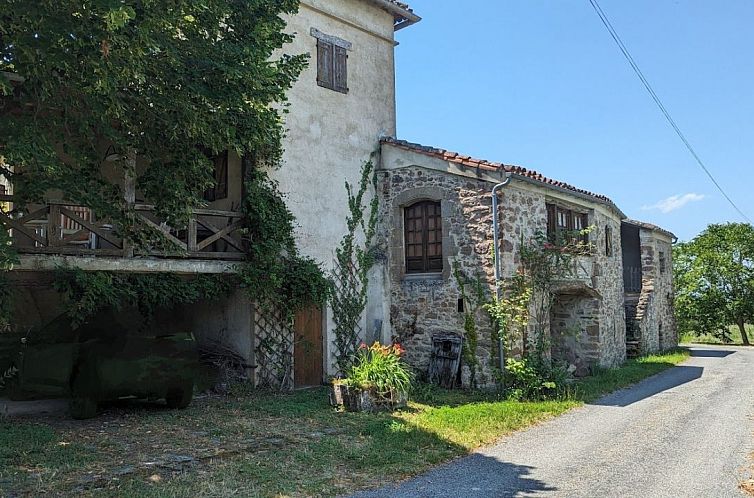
(552,223)
(423,237)
(340,69)
(433,237)
(325,64)
(414,228)
(221,176)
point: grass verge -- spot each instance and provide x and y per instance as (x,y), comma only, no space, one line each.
(254,444)
(735,336)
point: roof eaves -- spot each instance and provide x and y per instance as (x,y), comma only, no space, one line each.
(650,226)
(403,15)
(519,172)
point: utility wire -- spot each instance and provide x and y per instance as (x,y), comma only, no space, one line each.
(645,82)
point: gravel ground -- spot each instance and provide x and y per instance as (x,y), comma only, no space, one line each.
(686,432)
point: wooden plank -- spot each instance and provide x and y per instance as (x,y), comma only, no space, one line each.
(199,211)
(92,227)
(167,235)
(11,223)
(220,234)
(53,226)
(192,234)
(70,251)
(234,256)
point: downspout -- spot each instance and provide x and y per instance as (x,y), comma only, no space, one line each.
(498,269)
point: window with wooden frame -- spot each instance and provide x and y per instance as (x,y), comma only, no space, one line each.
(422,224)
(662,262)
(332,66)
(220,174)
(564,224)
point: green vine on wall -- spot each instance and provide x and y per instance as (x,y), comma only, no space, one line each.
(87,292)
(353,260)
(473,301)
(121,116)
(274,273)
(525,302)
(8,258)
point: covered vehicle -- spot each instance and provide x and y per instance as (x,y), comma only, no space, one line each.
(112,356)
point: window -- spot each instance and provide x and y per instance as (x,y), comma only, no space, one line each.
(423,237)
(562,224)
(220,190)
(662,262)
(332,70)
(608,241)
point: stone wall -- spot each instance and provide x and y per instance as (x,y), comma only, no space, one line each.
(591,305)
(655,314)
(428,304)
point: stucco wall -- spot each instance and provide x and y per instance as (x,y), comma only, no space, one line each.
(425,305)
(331,134)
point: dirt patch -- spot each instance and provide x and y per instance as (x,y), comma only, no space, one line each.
(10,408)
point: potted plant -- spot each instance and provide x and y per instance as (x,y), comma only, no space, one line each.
(378,380)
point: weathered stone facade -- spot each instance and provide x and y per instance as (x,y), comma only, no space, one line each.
(655,315)
(585,325)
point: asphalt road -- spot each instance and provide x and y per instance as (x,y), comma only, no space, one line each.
(686,432)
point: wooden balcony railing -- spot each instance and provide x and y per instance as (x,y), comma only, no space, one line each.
(59,227)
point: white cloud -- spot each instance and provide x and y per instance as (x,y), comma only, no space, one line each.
(674,202)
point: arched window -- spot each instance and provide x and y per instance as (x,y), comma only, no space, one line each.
(423,235)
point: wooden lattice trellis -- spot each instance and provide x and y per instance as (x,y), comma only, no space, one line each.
(347,289)
(274,339)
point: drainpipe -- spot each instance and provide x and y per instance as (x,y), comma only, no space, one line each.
(498,270)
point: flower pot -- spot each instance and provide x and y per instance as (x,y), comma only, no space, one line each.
(354,399)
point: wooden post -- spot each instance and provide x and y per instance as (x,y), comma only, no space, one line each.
(191,234)
(53,226)
(129,193)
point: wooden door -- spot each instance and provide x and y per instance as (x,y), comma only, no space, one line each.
(308,349)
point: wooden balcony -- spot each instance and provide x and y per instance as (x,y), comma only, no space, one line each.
(64,228)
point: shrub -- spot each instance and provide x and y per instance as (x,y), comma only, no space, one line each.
(526,379)
(380,368)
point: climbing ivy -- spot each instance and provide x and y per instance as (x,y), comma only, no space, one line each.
(107,90)
(525,302)
(86,292)
(353,260)
(274,272)
(8,258)
(474,295)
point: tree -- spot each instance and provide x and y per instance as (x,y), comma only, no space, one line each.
(167,83)
(714,275)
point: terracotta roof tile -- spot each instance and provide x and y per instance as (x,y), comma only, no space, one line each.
(483,164)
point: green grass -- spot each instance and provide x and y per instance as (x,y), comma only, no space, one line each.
(254,444)
(735,334)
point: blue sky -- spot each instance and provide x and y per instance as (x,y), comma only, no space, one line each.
(541,84)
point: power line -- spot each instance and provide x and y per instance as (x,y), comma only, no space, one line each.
(645,82)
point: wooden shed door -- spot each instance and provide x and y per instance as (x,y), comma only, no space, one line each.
(307,350)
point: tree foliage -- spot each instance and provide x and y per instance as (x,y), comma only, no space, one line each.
(157,88)
(714,278)
(173,82)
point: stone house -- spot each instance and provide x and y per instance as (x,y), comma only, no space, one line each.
(435,213)
(339,108)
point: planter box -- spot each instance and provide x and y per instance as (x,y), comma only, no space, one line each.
(353,399)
